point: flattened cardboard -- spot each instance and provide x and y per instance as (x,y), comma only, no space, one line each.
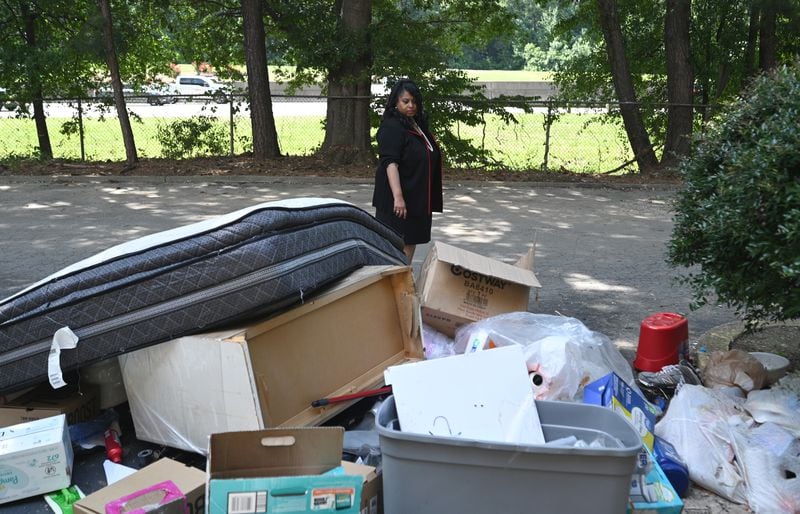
(191,482)
(267,374)
(292,470)
(459,287)
(78,403)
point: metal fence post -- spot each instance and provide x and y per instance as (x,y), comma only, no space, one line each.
(80,130)
(230,119)
(548,121)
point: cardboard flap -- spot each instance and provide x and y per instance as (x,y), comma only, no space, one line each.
(275,452)
(485,265)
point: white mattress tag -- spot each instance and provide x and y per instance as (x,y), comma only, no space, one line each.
(63,339)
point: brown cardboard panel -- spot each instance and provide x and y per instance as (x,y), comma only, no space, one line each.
(305,356)
(372,492)
(275,452)
(79,403)
(191,482)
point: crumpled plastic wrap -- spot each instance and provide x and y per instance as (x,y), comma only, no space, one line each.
(435,344)
(779,404)
(730,454)
(701,423)
(562,354)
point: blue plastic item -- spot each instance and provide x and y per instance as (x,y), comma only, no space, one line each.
(672,465)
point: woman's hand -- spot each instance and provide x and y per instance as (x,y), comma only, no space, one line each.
(400,208)
(393,173)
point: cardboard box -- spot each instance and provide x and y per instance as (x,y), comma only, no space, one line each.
(162,498)
(459,287)
(35,458)
(78,403)
(652,493)
(266,375)
(372,488)
(288,471)
(191,482)
(613,392)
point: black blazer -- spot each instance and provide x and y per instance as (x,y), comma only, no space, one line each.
(420,169)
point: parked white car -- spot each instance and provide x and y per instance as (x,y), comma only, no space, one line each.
(201,85)
(160,93)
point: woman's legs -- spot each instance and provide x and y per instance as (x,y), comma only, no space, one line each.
(409,251)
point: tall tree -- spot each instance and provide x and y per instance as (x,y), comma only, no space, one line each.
(349,88)
(116,82)
(620,71)
(265,137)
(680,82)
(30,16)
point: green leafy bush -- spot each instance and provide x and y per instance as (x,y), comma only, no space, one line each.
(193,137)
(737,221)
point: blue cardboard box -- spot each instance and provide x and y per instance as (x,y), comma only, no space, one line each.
(613,392)
(651,493)
(287,471)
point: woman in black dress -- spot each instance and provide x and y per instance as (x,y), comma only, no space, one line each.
(408,180)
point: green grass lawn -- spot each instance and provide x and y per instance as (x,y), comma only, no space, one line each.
(508,75)
(578,142)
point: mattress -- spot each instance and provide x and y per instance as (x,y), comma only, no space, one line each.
(248,264)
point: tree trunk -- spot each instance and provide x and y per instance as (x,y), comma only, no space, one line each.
(116,83)
(262,120)
(752,41)
(42,134)
(620,71)
(347,133)
(768,40)
(677,143)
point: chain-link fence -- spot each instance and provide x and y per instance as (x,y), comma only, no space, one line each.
(546,135)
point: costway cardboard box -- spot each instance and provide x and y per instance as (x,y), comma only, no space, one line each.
(35,458)
(459,287)
(191,482)
(267,374)
(79,403)
(288,471)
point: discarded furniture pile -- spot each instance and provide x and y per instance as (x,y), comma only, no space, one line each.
(244,339)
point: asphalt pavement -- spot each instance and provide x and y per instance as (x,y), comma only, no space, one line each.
(600,251)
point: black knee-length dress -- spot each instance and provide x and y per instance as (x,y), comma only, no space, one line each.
(419,161)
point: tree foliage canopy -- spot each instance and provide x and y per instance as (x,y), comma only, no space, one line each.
(739,216)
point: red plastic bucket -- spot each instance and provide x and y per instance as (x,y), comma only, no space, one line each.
(662,339)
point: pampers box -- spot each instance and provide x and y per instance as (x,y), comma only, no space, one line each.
(35,458)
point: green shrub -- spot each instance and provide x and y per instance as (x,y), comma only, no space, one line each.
(737,221)
(193,137)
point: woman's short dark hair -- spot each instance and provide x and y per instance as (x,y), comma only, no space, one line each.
(391,103)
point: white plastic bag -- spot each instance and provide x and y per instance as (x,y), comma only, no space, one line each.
(780,405)
(562,354)
(767,452)
(435,344)
(701,424)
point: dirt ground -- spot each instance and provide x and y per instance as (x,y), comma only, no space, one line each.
(301,166)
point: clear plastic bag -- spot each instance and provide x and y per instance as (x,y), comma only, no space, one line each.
(562,354)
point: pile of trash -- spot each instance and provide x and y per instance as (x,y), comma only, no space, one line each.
(734,421)
(244,341)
